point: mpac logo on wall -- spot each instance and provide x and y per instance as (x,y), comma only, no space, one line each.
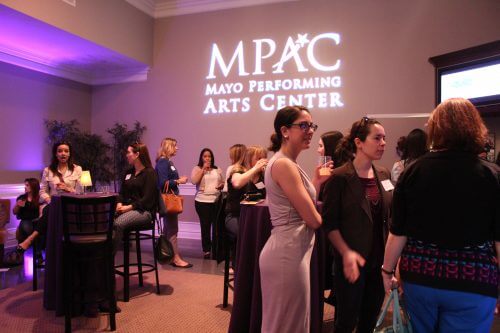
(312,82)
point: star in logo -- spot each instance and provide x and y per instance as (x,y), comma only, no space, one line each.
(302,40)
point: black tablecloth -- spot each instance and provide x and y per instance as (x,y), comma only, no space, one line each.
(53,285)
(255,229)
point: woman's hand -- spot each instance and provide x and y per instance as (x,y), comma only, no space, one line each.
(21,203)
(260,165)
(352,260)
(63,187)
(390,282)
(323,171)
(121,209)
(182,180)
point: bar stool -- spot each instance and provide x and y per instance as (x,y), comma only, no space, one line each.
(37,253)
(88,239)
(137,233)
(229,245)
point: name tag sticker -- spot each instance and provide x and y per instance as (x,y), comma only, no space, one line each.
(387,185)
(127,177)
(260,185)
(172,167)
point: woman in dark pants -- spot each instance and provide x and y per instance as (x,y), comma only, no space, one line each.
(356,201)
(209,182)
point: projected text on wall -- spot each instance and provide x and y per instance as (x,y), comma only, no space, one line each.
(299,75)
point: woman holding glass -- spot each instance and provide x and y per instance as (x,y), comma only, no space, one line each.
(168,177)
(209,182)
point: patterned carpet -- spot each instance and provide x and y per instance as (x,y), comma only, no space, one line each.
(189,302)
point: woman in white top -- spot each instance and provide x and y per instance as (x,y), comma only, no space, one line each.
(209,182)
(285,260)
(61,176)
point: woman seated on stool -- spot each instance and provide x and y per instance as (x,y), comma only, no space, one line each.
(138,196)
(27,208)
(61,176)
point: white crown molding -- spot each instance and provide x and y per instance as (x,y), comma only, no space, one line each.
(33,62)
(176,8)
(147,6)
(160,9)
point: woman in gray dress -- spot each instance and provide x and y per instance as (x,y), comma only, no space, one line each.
(286,258)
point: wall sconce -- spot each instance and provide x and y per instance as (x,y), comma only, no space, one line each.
(85,179)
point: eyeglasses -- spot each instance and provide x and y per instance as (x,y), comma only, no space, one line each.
(305,126)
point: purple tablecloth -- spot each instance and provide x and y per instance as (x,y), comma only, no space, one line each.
(53,286)
(255,229)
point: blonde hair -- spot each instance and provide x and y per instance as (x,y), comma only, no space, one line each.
(251,152)
(237,153)
(167,148)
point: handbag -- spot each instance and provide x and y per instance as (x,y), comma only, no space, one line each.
(400,319)
(163,247)
(173,202)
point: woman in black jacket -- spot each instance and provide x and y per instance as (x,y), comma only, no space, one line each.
(356,201)
(138,198)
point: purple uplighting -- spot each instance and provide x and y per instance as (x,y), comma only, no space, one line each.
(33,44)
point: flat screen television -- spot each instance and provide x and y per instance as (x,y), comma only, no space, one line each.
(472,73)
(477,81)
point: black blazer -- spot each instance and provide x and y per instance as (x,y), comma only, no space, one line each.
(346,208)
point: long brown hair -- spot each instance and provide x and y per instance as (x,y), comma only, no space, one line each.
(455,124)
(55,162)
(143,151)
(237,153)
(34,185)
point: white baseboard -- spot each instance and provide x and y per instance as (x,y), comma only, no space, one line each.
(187,230)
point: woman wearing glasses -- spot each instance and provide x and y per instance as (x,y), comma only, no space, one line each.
(286,257)
(356,203)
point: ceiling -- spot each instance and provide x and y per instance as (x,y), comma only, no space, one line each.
(36,45)
(166,8)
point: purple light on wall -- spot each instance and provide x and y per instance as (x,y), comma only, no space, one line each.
(28,42)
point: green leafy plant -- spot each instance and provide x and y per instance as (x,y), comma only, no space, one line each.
(122,137)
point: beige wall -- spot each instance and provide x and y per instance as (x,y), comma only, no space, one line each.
(27,98)
(384,51)
(114,24)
